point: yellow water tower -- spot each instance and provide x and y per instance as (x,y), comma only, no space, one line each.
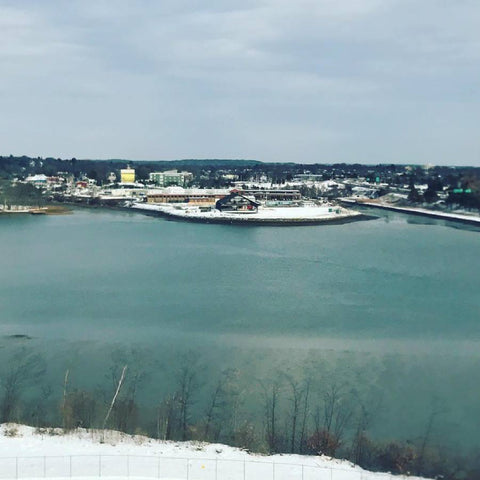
(127,175)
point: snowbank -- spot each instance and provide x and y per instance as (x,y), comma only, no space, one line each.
(29,454)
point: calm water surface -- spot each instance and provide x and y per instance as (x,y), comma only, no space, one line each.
(388,305)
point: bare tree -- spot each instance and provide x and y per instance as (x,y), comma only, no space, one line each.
(187,386)
(167,417)
(38,407)
(216,402)
(271,399)
(337,413)
(222,408)
(232,423)
(23,367)
(296,395)
(79,409)
(331,419)
(125,411)
(305,414)
(435,412)
(362,448)
(117,391)
(64,402)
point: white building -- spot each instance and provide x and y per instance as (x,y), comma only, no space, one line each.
(171,177)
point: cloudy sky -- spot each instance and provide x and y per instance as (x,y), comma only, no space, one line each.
(365,81)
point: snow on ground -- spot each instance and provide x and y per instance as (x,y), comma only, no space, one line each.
(28,453)
(273,213)
(306,213)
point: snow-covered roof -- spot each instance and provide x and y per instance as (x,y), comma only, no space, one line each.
(37,178)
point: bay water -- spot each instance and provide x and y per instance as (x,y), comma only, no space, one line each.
(386,309)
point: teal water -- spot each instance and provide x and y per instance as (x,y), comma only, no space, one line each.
(389,305)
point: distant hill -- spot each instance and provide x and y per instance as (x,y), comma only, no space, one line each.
(204,162)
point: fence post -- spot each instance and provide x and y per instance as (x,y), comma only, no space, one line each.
(70,465)
(244,468)
(158,469)
(128,466)
(16,467)
(44,466)
(216,469)
(188,468)
(302,470)
(99,465)
(273,470)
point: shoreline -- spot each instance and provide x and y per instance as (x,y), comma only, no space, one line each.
(52,209)
(66,208)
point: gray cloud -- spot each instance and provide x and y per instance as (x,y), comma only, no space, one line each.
(275,80)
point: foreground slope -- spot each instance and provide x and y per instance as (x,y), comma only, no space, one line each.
(30,453)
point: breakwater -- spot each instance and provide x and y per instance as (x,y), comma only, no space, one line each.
(455,217)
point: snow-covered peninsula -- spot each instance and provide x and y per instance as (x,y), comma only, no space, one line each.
(264,215)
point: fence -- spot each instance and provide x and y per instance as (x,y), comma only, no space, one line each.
(149,467)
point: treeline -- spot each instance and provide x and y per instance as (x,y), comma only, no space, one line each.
(463,190)
(99,170)
(463,183)
(293,416)
(20,194)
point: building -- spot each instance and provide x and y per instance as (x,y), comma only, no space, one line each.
(37,179)
(236,202)
(192,196)
(127,175)
(171,177)
(274,195)
(308,177)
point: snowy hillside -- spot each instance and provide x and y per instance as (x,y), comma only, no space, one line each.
(28,453)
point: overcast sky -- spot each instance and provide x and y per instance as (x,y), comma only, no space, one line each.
(364,81)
